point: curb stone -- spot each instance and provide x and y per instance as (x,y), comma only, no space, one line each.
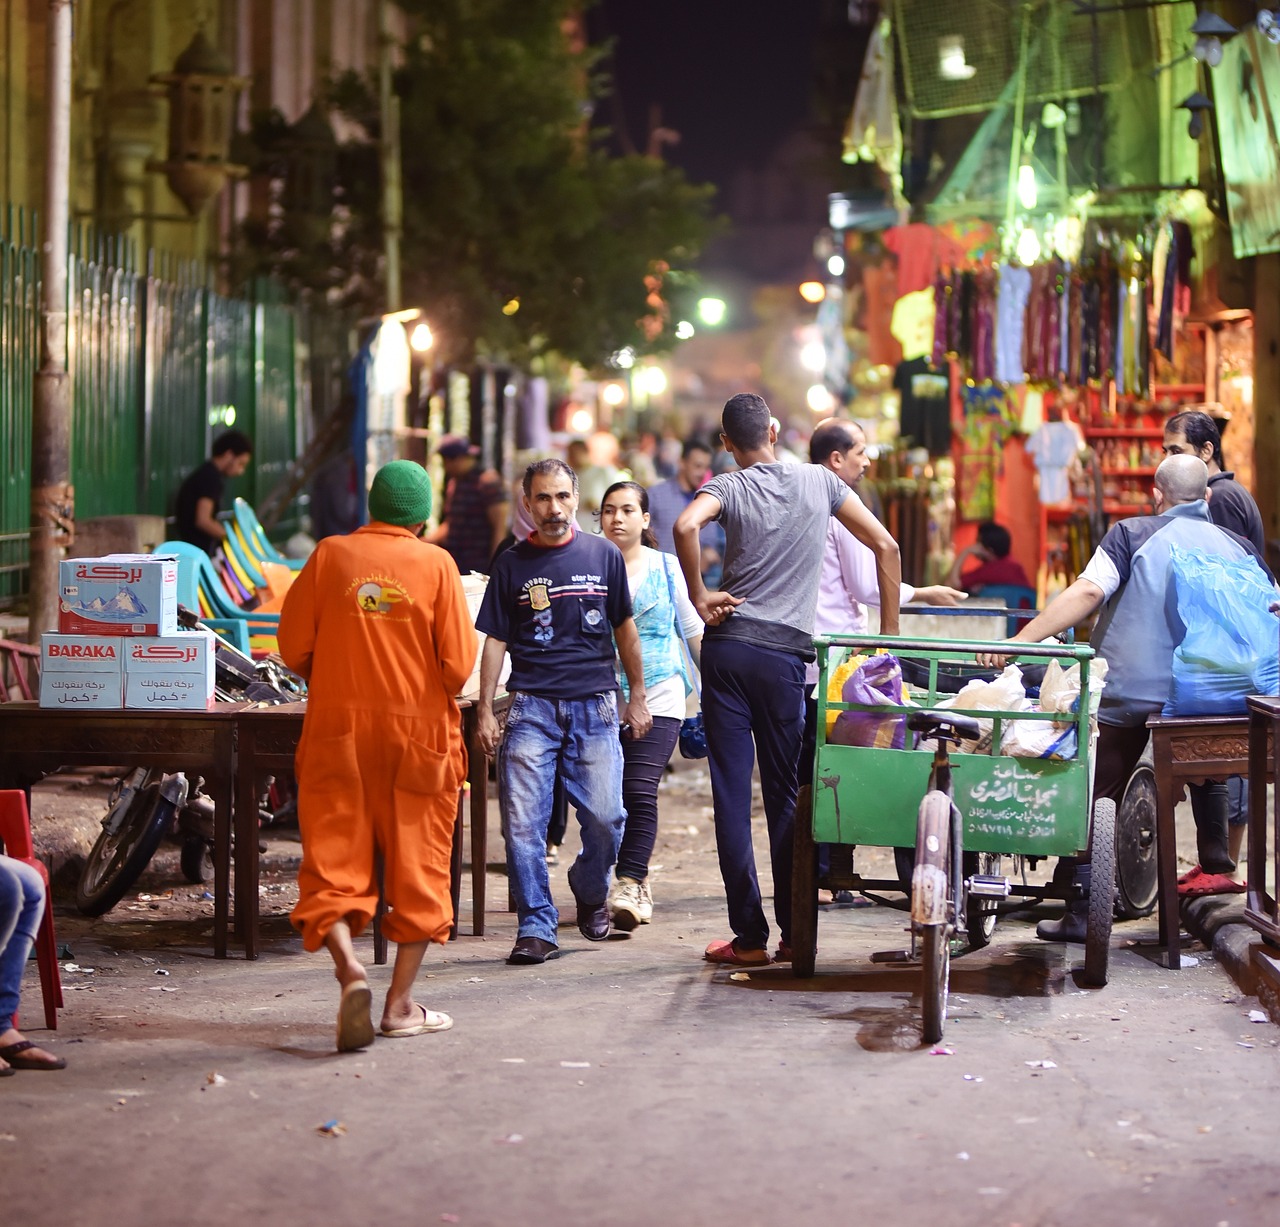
(1218,921)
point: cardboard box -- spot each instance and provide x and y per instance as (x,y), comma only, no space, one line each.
(170,672)
(119,594)
(81,671)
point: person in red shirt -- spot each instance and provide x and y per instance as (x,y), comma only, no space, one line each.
(994,567)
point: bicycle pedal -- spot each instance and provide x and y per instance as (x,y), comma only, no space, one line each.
(894,956)
(987,886)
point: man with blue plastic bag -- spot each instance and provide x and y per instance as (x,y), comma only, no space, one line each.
(1131,576)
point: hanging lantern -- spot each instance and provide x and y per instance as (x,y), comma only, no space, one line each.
(1197,104)
(202,96)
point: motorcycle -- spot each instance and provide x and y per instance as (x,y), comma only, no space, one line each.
(150,803)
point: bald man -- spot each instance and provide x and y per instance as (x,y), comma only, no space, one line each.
(1130,577)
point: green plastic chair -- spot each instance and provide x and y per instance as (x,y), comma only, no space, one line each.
(247,520)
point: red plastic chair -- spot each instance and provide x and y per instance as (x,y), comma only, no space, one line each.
(15,832)
(13,668)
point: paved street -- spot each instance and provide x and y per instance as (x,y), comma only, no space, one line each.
(629,1082)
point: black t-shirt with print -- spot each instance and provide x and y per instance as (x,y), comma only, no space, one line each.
(553,607)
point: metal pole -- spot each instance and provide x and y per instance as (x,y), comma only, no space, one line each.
(1015,145)
(52,497)
(389,147)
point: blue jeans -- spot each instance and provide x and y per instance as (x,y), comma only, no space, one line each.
(578,740)
(753,704)
(21,907)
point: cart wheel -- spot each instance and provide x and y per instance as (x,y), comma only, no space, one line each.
(980,913)
(804,889)
(1102,893)
(935,947)
(933,909)
(1136,877)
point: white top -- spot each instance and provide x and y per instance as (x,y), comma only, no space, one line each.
(667,698)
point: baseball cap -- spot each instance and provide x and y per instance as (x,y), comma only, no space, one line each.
(452,447)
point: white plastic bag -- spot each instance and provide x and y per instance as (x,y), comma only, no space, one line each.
(1059,693)
(1005,694)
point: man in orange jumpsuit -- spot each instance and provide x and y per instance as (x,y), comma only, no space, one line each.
(378,625)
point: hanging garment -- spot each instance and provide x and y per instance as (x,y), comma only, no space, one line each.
(1054,446)
(925,413)
(988,422)
(1011,311)
(912,324)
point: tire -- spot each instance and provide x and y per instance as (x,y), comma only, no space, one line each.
(935,947)
(933,853)
(980,913)
(115,863)
(1136,868)
(197,861)
(804,890)
(1102,893)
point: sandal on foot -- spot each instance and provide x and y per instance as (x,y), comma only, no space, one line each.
(1205,884)
(432,1020)
(1190,876)
(13,1056)
(355,1018)
(735,956)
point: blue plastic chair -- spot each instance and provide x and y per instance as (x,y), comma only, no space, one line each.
(254,534)
(1015,596)
(201,589)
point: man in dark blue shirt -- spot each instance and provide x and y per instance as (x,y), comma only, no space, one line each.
(550,603)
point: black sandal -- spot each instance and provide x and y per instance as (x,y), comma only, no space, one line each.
(13,1055)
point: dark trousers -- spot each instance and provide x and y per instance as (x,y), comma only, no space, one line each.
(643,762)
(753,706)
(1119,750)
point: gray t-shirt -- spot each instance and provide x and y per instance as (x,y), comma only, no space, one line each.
(774,518)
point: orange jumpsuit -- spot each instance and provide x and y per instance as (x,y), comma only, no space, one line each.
(378,625)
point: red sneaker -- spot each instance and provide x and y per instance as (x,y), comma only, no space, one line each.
(1191,875)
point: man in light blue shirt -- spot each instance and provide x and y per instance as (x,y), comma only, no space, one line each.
(1130,577)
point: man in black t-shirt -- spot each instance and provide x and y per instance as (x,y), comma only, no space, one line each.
(200,495)
(551,602)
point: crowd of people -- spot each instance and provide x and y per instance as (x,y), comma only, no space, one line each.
(610,598)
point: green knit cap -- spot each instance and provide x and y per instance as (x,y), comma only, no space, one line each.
(400,494)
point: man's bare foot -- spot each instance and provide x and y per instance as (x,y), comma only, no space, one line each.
(349,972)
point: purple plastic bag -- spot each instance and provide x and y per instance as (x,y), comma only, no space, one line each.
(876,680)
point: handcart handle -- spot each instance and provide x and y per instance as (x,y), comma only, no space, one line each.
(1000,647)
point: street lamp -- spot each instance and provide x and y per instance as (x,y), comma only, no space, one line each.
(421,339)
(711,311)
(202,95)
(813,292)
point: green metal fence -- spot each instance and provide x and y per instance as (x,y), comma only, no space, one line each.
(160,365)
(19,340)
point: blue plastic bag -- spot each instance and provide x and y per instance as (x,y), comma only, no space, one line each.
(1229,650)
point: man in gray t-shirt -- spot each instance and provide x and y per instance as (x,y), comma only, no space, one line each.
(759,637)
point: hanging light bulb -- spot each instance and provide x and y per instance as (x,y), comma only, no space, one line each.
(1027,185)
(1028,247)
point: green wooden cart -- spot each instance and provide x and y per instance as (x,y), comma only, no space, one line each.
(1004,807)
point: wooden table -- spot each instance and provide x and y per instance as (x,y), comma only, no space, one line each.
(35,741)
(266,742)
(1260,908)
(1192,750)
(232,746)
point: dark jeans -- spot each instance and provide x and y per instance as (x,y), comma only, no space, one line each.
(643,762)
(1119,750)
(753,695)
